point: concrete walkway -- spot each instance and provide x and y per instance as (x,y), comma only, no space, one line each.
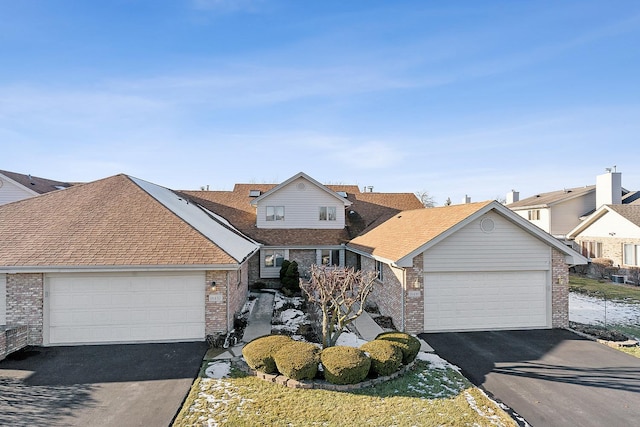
(259,324)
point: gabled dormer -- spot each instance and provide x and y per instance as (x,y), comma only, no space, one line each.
(300,202)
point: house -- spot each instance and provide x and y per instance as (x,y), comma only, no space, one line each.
(558,212)
(476,266)
(124,260)
(15,186)
(611,232)
(301,219)
(119,260)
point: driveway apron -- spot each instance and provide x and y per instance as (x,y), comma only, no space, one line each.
(106,385)
(549,377)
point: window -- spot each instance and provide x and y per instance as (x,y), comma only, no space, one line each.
(327,213)
(330,257)
(273,257)
(631,254)
(534,215)
(592,249)
(380,270)
(239,276)
(275,213)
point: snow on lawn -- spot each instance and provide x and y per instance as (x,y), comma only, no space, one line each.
(218,369)
(290,320)
(591,311)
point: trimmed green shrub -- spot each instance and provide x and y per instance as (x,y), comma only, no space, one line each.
(283,268)
(386,356)
(409,345)
(291,279)
(259,353)
(298,360)
(345,365)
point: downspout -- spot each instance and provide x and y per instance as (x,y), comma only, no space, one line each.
(403,289)
(227,280)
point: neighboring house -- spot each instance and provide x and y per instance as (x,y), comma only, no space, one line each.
(473,266)
(558,212)
(16,186)
(119,260)
(612,232)
(301,219)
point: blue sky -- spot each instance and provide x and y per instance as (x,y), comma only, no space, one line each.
(455,98)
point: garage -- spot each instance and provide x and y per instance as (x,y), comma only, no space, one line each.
(465,301)
(124,307)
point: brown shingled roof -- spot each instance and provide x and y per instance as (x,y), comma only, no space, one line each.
(550,198)
(110,222)
(367,209)
(409,230)
(37,184)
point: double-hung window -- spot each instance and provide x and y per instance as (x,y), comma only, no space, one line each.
(330,257)
(273,257)
(327,213)
(534,215)
(275,213)
(592,249)
(631,255)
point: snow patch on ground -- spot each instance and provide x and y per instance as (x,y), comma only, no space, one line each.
(435,361)
(279,301)
(216,398)
(591,311)
(349,339)
(218,369)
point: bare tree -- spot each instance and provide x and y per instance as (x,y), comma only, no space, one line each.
(426,199)
(340,294)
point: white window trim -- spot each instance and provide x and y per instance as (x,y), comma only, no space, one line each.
(329,212)
(274,213)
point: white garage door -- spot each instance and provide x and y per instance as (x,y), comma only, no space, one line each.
(103,308)
(486,301)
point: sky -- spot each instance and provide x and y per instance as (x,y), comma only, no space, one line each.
(453,98)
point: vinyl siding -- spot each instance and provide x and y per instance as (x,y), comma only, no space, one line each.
(10,192)
(611,223)
(566,216)
(544,221)
(301,207)
(506,248)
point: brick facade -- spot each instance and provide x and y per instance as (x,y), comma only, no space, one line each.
(559,290)
(305,259)
(414,296)
(612,247)
(387,294)
(25,302)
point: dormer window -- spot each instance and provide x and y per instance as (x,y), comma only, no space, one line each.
(327,213)
(275,213)
(254,193)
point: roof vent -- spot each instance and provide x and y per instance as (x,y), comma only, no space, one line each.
(254,193)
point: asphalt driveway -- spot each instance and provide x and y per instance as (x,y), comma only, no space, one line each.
(107,385)
(549,377)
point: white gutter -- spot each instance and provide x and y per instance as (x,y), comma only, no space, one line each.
(115,269)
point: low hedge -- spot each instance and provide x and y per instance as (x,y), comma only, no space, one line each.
(386,356)
(259,353)
(298,360)
(345,365)
(409,345)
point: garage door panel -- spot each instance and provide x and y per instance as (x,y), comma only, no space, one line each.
(104,308)
(488,300)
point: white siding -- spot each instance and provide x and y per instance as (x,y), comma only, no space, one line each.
(545,218)
(10,192)
(3,299)
(611,222)
(507,247)
(301,207)
(566,216)
(486,301)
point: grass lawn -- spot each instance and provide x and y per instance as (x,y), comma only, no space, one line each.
(613,291)
(429,395)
